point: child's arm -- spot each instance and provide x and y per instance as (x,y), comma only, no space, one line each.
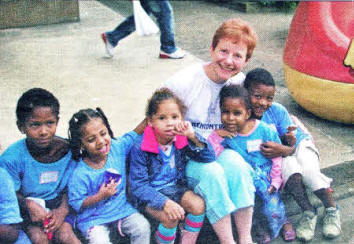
(215,140)
(272,149)
(57,215)
(9,233)
(275,174)
(141,127)
(185,128)
(203,152)
(36,212)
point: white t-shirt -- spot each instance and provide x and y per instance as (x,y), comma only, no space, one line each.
(201,96)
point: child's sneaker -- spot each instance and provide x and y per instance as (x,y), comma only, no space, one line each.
(306,228)
(331,223)
(179,53)
(109,47)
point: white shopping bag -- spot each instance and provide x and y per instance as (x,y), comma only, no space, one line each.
(143,23)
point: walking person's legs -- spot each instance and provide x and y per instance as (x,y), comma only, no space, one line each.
(163,12)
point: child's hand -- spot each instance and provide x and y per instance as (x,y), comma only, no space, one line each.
(289,137)
(36,212)
(271,149)
(271,189)
(173,210)
(56,219)
(184,128)
(224,133)
(108,190)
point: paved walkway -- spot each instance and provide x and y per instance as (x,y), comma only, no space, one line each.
(69,60)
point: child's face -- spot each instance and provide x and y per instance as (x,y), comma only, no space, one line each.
(261,98)
(164,120)
(95,138)
(234,115)
(40,127)
(228,59)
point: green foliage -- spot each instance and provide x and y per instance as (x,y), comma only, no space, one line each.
(283,5)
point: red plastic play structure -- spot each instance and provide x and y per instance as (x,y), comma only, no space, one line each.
(319,59)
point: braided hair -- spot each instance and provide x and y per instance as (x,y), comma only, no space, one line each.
(77,121)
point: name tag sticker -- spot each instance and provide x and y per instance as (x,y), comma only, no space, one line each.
(48,177)
(254,145)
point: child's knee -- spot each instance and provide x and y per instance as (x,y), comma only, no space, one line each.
(65,233)
(168,223)
(98,234)
(141,229)
(193,203)
(37,236)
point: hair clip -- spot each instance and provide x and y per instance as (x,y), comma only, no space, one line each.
(75,119)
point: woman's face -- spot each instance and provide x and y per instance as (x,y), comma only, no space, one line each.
(227,60)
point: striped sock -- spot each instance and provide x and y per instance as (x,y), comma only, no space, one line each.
(165,235)
(193,223)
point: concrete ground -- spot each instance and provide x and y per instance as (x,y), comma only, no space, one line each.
(69,60)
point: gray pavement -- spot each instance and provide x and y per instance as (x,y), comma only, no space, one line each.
(69,60)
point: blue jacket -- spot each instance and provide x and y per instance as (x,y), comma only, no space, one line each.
(146,162)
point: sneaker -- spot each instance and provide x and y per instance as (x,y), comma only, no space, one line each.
(306,228)
(179,53)
(331,223)
(109,47)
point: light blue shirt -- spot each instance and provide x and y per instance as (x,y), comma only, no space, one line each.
(86,182)
(36,179)
(278,117)
(248,146)
(9,210)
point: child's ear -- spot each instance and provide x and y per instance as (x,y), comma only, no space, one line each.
(149,123)
(249,113)
(20,127)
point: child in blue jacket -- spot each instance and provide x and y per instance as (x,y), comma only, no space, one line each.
(157,169)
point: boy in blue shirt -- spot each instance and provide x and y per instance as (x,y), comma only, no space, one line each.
(300,157)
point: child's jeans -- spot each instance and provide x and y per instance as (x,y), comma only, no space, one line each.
(135,227)
(305,161)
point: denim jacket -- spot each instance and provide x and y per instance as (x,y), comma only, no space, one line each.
(146,162)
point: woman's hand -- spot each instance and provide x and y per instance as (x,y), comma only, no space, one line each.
(173,210)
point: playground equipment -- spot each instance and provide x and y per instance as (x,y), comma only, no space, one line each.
(319,59)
